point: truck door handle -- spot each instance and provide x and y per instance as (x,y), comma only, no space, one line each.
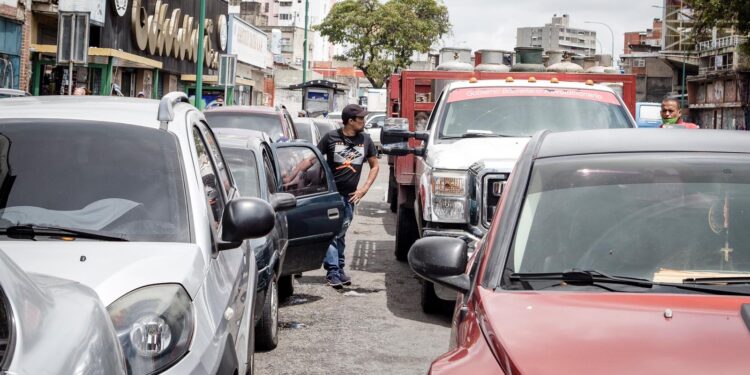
(333,213)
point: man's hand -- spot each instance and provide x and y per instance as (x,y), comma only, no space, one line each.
(357,196)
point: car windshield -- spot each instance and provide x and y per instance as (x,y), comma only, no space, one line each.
(650,112)
(662,218)
(109,178)
(266,123)
(303,130)
(521,112)
(244,170)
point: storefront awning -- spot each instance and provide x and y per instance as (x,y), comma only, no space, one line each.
(121,58)
(212,79)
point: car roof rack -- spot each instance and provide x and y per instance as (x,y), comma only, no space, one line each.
(166,107)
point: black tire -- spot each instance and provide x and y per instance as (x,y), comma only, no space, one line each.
(286,287)
(431,303)
(267,330)
(393,199)
(406,232)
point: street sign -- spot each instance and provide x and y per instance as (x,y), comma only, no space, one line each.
(73,38)
(227,70)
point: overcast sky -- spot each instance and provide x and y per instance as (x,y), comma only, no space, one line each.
(491,24)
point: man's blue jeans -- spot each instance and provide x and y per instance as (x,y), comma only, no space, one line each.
(334,259)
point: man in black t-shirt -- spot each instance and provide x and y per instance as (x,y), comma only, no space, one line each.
(346,150)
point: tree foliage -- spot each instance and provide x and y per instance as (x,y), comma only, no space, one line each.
(381,38)
(723,14)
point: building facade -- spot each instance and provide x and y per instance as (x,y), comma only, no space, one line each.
(14,44)
(558,35)
(650,37)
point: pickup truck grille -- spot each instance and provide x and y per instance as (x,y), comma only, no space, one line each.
(6,330)
(492,189)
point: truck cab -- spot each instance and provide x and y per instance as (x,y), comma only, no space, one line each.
(470,144)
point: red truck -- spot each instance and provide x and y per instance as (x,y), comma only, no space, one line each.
(461,148)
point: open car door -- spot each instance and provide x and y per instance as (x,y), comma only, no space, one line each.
(319,213)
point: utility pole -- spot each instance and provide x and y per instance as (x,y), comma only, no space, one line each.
(199,67)
(304,54)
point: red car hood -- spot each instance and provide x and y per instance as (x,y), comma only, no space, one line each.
(616,333)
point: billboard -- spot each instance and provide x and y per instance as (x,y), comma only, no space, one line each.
(249,43)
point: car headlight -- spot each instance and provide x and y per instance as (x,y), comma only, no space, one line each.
(449,196)
(154,325)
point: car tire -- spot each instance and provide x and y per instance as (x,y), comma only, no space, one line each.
(267,329)
(406,232)
(286,287)
(393,199)
(431,303)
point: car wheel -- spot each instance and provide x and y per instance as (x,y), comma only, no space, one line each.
(406,232)
(286,287)
(431,303)
(393,199)
(267,330)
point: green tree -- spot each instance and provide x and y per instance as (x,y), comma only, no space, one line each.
(381,38)
(722,14)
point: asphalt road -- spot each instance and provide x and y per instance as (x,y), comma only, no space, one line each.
(374,326)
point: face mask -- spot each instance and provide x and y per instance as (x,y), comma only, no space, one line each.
(669,121)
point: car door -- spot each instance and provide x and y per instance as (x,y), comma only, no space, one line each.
(228,279)
(319,212)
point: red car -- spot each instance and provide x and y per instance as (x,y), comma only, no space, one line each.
(274,121)
(611,252)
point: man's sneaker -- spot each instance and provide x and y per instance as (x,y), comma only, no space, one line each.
(345,279)
(334,281)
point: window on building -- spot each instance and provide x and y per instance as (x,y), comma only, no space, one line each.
(285,3)
(266,7)
(639,63)
(285,16)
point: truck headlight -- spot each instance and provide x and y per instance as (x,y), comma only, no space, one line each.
(449,184)
(154,325)
(449,196)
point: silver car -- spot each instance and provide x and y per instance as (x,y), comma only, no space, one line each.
(53,326)
(132,198)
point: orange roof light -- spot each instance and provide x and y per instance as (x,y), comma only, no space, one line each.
(554,80)
(509,79)
(532,79)
(589,82)
(473,80)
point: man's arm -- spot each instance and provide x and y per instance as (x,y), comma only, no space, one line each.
(360,193)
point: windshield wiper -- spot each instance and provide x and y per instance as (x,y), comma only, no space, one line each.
(582,277)
(486,135)
(725,280)
(30,231)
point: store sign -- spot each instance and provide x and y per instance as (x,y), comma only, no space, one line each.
(176,36)
(94,7)
(249,44)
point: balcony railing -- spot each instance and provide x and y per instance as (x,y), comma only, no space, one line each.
(727,41)
(710,69)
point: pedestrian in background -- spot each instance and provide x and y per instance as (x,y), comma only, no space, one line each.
(671,115)
(346,150)
(80,91)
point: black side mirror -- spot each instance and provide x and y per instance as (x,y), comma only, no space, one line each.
(283,201)
(402,149)
(441,260)
(245,218)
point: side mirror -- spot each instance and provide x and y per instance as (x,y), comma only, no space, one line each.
(402,149)
(442,260)
(245,218)
(283,201)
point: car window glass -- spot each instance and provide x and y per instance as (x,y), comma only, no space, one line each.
(244,170)
(218,159)
(214,198)
(650,112)
(269,171)
(268,123)
(290,128)
(297,181)
(303,131)
(109,178)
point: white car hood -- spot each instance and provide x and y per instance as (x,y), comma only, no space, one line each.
(462,153)
(112,269)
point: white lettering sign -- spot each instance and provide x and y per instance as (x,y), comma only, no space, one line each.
(249,44)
